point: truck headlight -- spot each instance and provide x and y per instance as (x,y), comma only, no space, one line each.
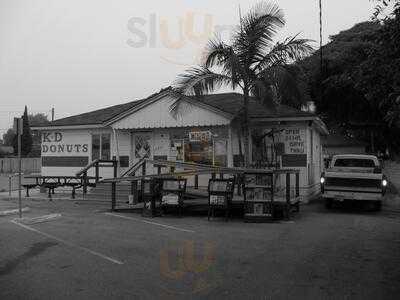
(384,183)
(322,180)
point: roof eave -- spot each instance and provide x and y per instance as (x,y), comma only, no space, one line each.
(67,127)
(158,97)
(320,124)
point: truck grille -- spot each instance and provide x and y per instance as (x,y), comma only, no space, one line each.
(353,182)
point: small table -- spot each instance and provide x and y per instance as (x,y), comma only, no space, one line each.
(53,182)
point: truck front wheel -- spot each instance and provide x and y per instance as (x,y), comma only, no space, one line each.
(328,203)
(378,205)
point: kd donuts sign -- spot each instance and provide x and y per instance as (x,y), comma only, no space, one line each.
(53,142)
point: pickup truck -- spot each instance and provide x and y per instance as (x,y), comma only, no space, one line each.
(354,177)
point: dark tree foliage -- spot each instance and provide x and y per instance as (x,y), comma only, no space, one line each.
(378,78)
(357,91)
(346,51)
(8,137)
(26,138)
(39,119)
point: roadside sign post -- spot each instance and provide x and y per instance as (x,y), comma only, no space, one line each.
(9,186)
(18,128)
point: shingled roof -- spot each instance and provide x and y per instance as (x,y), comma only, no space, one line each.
(230,103)
(100,116)
(95,117)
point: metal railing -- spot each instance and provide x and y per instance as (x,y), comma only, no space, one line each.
(10,177)
(96,164)
(190,169)
(133,169)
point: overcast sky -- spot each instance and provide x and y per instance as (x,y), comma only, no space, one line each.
(80,55)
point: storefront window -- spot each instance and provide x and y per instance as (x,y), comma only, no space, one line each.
(105,146)
(101,146)
(95,146)
(202,146)
(199,152)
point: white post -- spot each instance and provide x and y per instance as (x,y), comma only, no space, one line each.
(19,132)
(250,147)
(9,186)
(116,150)
(230,147)
(213,151)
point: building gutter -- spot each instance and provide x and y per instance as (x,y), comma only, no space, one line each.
(320,124)
(68,127)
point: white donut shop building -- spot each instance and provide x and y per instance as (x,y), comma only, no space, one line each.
(204,130)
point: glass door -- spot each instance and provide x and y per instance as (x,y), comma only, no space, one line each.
(141,146)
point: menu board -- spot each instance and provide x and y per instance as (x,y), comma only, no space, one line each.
(295,141)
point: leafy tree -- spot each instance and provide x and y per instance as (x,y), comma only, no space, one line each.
(378,78)
(251,62)
(382,6)
(360,81)
(346,51)
(26,137)
(38,119)
(8,138)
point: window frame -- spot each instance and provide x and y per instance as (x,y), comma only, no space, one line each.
(101,146)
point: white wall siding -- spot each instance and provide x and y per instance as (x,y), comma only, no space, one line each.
(158,115)
(71,137)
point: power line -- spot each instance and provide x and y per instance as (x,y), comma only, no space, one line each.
(320,48)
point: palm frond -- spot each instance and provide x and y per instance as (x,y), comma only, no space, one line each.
(257,30)
(219,54)
(197,81)
(288,51)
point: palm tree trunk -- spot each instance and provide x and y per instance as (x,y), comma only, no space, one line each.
(246,129)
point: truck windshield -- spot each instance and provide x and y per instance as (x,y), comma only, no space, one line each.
(354,163)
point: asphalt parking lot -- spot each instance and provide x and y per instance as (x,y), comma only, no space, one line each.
(89,253)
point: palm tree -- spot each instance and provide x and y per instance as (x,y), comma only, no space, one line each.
(252,62)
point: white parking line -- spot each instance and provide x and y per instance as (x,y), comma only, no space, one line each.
(13,211)
(115,261)
(36,220)
(149,222)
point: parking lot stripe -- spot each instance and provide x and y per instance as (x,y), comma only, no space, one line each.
(152,223)
(115,261)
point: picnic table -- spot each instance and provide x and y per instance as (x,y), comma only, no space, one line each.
(53,182)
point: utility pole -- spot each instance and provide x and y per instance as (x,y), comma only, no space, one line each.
(18,128)
(320,47)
